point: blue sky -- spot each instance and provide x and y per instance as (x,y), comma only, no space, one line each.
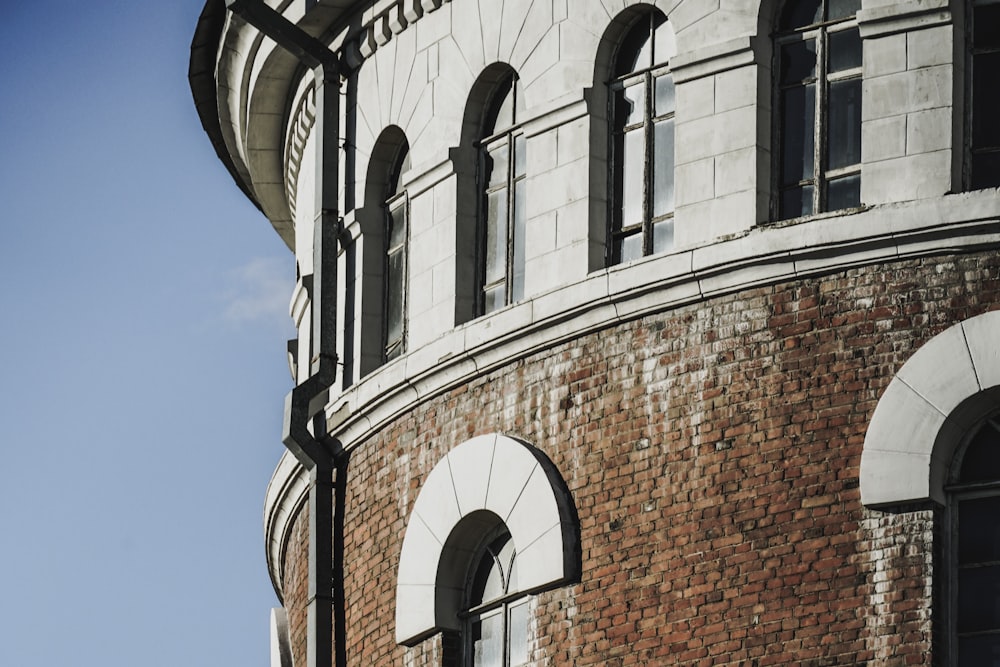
(143,319)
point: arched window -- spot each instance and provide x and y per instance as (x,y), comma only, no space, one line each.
(464,570)
(642,141)
(502,213)
(974,505)
(377,262)
(396,216)
(495,624)
(818,102)
(983,38)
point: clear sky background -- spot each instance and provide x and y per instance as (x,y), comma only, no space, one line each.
(143,320)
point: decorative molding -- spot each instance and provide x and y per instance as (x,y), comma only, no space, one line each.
(964,222)
(936,397)
(286,494)
(765,255)
(299,130)
(903,17)
(383,26)
(483,482)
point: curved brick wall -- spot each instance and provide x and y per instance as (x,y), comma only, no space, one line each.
(712,453)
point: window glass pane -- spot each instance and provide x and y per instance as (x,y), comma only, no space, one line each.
(982,651)
(630,106)
(796,202)
(798,111)
(397,224)
(663,236)
(986,27)
(798,61)
(517,261)
(496,235)
(496,164)
(842,9)
(844,138)
(985,170)
(518,631)
(404,166)
(495,298)
(845,50)
(487,642)
(986,100)
(394,298)
(981,459)
(978,598)
(800,13)
(635,52)
(519,161)
(630,247)
(664,41)
(505,110)
(665,98)
(633,157)
(845,192)
(663,168)
(979,530)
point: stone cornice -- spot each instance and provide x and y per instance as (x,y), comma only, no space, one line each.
(302,121)
(765,255)
(768,254)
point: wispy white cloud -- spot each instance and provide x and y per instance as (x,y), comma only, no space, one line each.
(258,292)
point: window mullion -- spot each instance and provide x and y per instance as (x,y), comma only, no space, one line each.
(819,125)
(647,167)
(509,260)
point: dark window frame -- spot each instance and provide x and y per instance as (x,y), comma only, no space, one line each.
(820,34)
(959,491)
(396,201)
(979,178)
(512,183)
(476,610)
(644,78)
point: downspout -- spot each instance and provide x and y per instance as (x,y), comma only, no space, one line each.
(304,403)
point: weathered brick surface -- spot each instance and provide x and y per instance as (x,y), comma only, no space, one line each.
(296,584)
(712,453)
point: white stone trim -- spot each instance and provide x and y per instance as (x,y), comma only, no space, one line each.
(286,493)
(916,426)
(281,645)
(765,255)
(502,476)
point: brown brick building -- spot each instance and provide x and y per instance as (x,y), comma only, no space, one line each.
(657,333)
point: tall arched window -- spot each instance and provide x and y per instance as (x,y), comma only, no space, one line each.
(642,141)
(496,612)
(974,505)
(396,216)
(502,184)
(983,38)
(818,122)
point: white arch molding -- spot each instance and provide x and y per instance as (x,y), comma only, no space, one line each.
(488,476)
(936,397)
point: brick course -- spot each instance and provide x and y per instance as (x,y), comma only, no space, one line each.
(712,453)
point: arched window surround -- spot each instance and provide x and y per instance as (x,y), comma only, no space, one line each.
(484,483)
(915,444)
(937,396)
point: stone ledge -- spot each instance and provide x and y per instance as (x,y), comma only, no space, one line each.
(768,254)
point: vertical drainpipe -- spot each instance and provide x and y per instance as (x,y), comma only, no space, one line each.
(304,403)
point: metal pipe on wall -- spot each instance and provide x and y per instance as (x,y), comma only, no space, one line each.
(317,454)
